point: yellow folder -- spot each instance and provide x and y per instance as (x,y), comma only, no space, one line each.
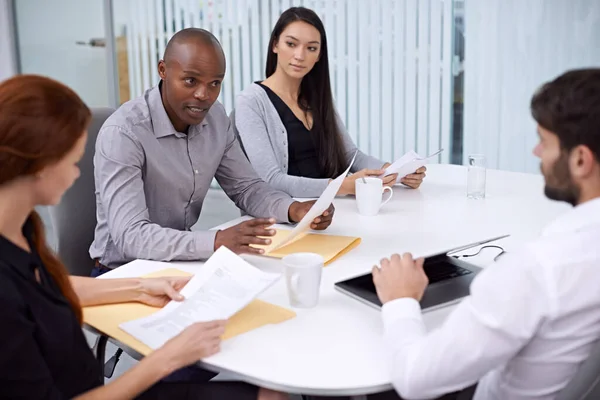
(107,318)
(330,247)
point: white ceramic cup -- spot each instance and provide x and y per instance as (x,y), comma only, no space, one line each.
(303,278)
(369,195)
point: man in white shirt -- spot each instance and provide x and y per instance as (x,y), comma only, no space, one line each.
(532,318)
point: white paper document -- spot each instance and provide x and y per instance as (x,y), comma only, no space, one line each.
(322,204)
(222,286)
(408,163)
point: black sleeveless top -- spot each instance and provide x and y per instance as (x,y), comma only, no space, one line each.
(302,152)
(43,351)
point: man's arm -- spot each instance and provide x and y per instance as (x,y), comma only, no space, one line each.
(244,187)
(118,164)
(481,334)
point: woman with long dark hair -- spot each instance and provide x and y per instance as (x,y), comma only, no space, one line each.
(288,124)
(43,352)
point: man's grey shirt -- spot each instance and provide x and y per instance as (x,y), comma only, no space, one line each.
(151,182)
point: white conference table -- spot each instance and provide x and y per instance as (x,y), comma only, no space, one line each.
(335,349)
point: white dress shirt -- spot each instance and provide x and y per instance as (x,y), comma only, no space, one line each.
(529,322)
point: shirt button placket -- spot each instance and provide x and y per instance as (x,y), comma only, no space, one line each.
(188,208)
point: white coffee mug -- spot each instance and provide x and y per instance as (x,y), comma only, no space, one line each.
(369,195)
(303,278)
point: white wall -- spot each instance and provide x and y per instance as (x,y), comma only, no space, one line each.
(7,56)
(512,47)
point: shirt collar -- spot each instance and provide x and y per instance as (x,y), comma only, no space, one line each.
(160,119)
(580,217)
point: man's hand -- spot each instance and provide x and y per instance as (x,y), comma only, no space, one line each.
(414,180)
(400,277)
(238,238)
(299,209)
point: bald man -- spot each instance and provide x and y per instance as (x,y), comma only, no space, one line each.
(156,157)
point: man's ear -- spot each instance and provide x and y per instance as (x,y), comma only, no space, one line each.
(582,161)
(162,69)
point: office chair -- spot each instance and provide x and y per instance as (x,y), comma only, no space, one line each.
(74,221)
(584,385)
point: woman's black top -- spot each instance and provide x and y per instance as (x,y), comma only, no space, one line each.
(302,152)
(43,351)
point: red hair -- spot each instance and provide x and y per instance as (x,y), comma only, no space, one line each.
(40,122)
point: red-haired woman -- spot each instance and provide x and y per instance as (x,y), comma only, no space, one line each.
(43,352)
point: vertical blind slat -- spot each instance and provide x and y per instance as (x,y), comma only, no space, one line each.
(422,76)
(410,130)
(387,129)
(435,67)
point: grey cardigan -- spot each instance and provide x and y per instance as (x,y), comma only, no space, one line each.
(264,139)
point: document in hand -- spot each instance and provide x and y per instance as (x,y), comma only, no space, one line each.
(322,204)
(408,163)
(222,287)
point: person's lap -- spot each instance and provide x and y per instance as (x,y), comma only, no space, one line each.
(221,390)
(193,374)
(392,395)
(465,394)
(99,270)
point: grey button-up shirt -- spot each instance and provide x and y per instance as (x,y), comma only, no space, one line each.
(151,182)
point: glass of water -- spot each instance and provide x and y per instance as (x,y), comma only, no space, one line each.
(476,177)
